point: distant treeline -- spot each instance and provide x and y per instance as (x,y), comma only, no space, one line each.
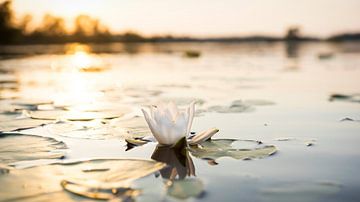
(90,30)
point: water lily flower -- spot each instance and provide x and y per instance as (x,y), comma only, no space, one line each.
(168,124)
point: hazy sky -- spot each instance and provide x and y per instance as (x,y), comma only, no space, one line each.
(207,17)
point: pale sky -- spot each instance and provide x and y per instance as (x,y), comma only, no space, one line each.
(207,17)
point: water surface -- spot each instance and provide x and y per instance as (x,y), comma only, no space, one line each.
(284,95)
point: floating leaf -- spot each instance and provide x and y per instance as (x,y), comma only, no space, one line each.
(19,147)
(21,124)
(100,129)
(343,97)
(31,104)
(76,115)
(185,188)
(94,129)
(135,127)
(217,148)
(108,178)
(134,142)
(231,109)
(192,54)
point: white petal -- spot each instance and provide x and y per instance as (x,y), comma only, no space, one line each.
(203,136)
(153,127)
(152,110)
(173,110)
(168,115)
(179,128)
(158,115)
(190,115)
(167,131)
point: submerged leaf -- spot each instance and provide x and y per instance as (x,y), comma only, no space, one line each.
(217,148)
(19,147)
(185,188)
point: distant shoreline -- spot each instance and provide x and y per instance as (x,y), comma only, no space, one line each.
(139,39)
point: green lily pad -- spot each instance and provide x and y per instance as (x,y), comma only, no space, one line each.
(185,188)
(95,179)
(19,147)
(237,149)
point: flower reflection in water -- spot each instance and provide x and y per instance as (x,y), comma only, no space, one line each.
(179,166)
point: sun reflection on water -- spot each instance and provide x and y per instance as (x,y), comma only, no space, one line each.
(73,86)
(79,58)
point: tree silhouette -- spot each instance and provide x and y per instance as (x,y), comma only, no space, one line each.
(8,32)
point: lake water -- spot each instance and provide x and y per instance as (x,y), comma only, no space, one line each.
(79,102)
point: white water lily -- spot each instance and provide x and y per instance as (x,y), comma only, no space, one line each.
(168,124)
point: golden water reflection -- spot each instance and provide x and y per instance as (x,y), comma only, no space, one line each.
(79,57)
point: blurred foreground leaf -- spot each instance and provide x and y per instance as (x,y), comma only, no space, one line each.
(96,179)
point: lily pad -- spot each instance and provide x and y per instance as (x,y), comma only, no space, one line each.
(135,127)
(76,115)
(345,97)
(100,129)
(19,147)
(30,104)
(96,179)
(185,188)
(237,149)
(21,124)
(94,129)
(234,108)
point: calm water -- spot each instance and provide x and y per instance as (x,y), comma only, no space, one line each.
(304,99)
